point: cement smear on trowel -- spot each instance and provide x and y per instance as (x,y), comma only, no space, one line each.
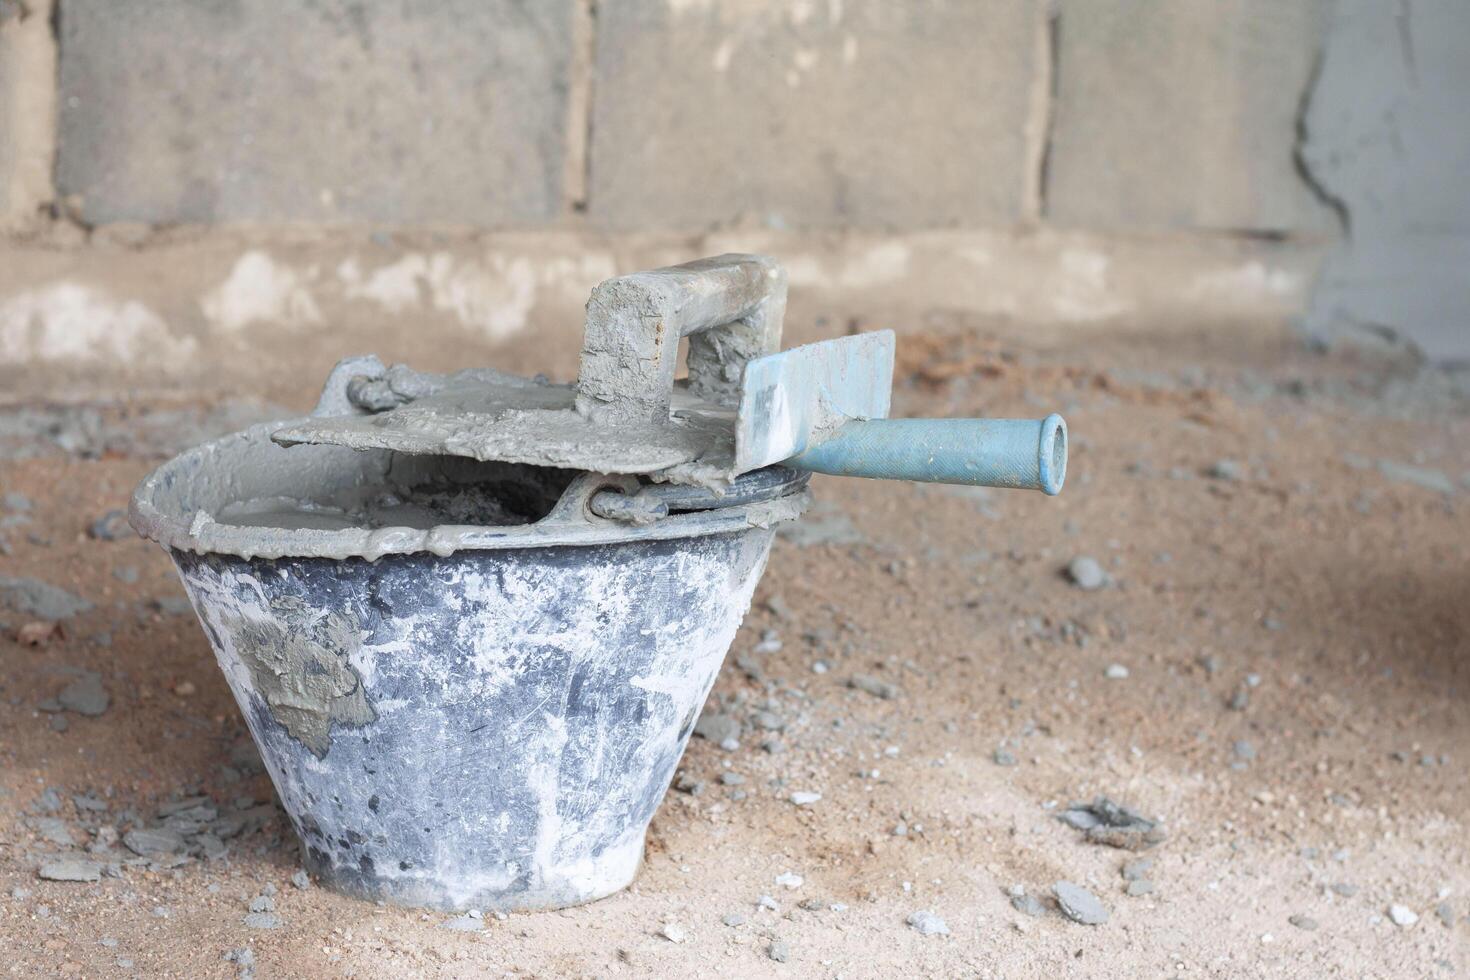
(300,664)
(492,416)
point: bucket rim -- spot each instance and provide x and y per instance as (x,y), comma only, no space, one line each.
(570,524)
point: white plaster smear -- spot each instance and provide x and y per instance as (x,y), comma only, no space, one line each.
(259,289)
(493,294)
(67,321)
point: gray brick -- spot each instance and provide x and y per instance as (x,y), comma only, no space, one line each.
(396,112)
(1182,114)
(867,113)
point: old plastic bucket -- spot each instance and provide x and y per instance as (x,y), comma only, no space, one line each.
(456,715)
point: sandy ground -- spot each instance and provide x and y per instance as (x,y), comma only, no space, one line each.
(1292,624)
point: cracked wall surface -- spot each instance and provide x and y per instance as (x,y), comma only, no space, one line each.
(1387,141)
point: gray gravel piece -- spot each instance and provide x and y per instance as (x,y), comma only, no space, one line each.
(1079,904)
(17,501)
(1140,888)
(874,686)
(1227,469)
(1104,821)
(734,920)
(1446,914)
(928,923)
(70,869)
(301,879)
(779,951)
(262,920)
(1027,904)
(1005,757)
(40,599)
(1086,573)
(1303,922)
(54,830)
(148,841)
(717,728)
(110,526)
(1138,870)
(1419,476)
(85,695)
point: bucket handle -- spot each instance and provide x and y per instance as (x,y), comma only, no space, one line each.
(730,307)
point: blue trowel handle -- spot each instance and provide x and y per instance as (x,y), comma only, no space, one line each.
(1026,454)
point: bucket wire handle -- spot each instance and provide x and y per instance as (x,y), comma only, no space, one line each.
(730,307)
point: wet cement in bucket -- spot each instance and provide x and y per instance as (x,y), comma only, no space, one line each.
(497,495)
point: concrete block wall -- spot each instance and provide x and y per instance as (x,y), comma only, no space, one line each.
(477,164)
(687,115)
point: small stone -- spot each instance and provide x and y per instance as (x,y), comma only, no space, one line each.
(1086,573)
(1140,887)
(732,779)
(1005,757)
(928,923)
(874,686)
(54,830)
(148,841)
(32,597)
(734,920)
(126,574)
(673,932)
(1243,750)
(70,869)
(769,721)
(1240,700)
(37,633)
(110,526)
(773,746)
(49,801)
(1116,672)
(1345,889)
(262,920)
(244,957)
(17,501)
(1446,914)
(779,951)
(59,723)
(768,903)
(717,728)
(464,923)
(1138,870)
(1303,922)
(790,880)
(185,689)
(262,903)
(1227,469)
(1027,904)
(85,695)
(301,879)
(1079,904)
(1402,915)
(1104,821)
(805,798)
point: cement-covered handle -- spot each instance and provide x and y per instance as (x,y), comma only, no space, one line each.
(1026,454)
(730,307)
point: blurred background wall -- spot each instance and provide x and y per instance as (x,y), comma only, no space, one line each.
(186,181)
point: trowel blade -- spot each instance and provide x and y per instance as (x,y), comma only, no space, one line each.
(796,399)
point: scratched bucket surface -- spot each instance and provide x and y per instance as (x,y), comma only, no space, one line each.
(492,728)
